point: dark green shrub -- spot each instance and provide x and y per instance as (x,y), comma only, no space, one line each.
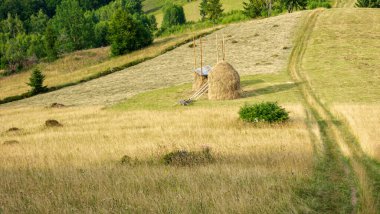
(185,158)
(127,33)
(368,3)
(173,15)
(36,82)
(263,112)
(254,8)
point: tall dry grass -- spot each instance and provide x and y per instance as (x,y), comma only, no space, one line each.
(76,168)
(364,120)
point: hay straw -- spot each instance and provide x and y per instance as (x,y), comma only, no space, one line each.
(224,82)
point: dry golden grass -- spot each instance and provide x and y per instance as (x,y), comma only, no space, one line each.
(260,48)
(76,168)
(82,64)
(364,120)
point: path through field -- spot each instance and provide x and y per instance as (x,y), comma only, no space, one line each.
(340,143)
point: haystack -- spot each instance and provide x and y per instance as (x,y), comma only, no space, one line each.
(199,81)
(224,82)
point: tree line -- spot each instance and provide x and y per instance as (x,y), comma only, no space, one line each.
(24,41)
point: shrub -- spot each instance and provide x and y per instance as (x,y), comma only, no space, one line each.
(368,3)
(127,33)
(254,8)
(315,4)
(173,15)
(263,112)
(185,158)
(36,82)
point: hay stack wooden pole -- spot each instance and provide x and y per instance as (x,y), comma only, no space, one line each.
(217,49)
(195,54)
(224,49)
(200,40)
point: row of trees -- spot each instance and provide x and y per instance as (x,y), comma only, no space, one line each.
(23,43)
(25,8)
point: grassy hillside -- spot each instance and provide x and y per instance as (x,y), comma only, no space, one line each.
(346,74)
(192,9)
(82,65)
(271,49)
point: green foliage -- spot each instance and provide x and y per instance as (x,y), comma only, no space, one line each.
(263,112)
(12,26)
(254,8)
(36,82)
(25,8)
(173,15)
(71,25)
(152,23)
(50,39)
(203,9)
(38,22)
(292,5)
(233,16)
(127,33)
(368,3)
(16,52)
(214,10)
(134,6)
(36,49)
(185,158)
(101,32)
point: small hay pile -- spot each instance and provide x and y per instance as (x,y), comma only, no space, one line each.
(199,81)
(224,82)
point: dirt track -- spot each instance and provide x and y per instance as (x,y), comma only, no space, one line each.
(259,46)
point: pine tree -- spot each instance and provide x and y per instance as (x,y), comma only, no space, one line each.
(203,9)
(36,82)
(214,10)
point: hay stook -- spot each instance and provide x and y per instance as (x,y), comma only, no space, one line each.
(224,82)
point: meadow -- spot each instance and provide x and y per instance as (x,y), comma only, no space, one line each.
(77,167)
(320,65)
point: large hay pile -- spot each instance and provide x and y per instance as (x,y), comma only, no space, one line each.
(224,82)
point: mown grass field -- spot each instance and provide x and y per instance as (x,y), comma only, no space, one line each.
(84,64)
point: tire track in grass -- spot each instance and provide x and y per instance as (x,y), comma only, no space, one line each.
(345,172)
(333,188)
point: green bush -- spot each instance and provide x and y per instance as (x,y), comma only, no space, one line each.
(368,3)
(263,112)
(312,4)
(173,15)
(127,33)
